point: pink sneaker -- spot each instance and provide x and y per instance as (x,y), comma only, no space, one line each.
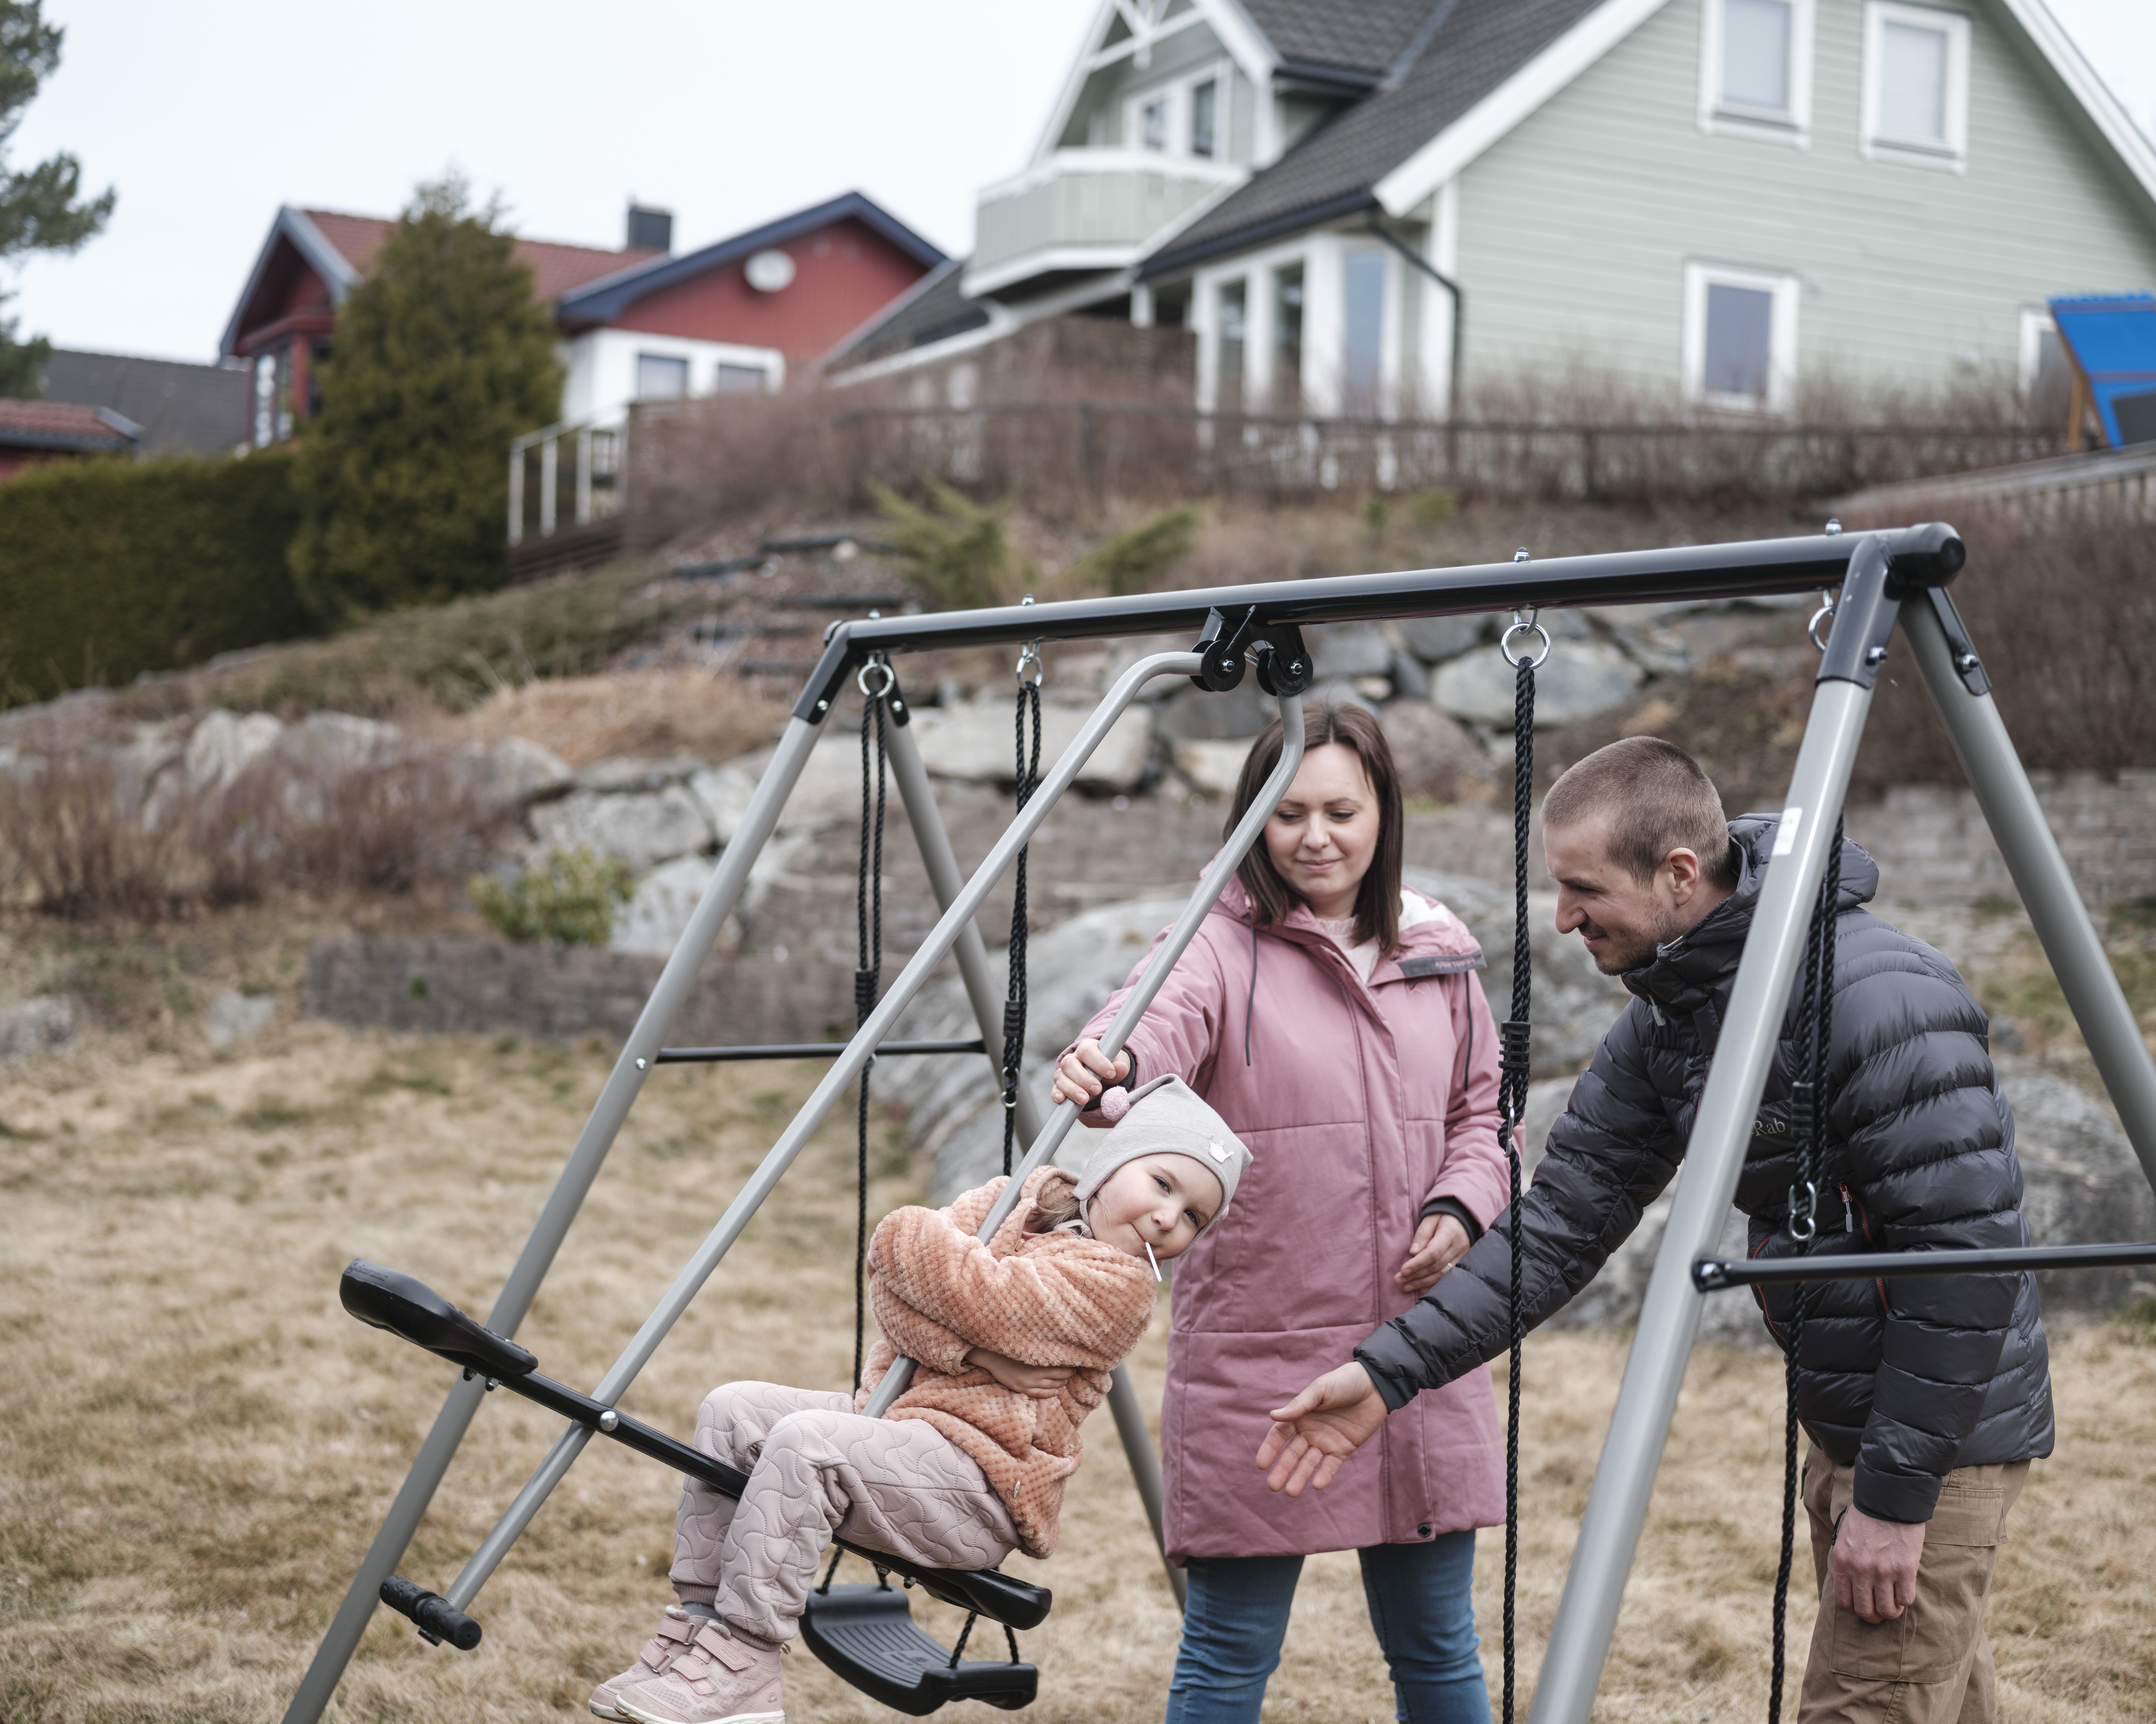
(723,1677)
(675,1631)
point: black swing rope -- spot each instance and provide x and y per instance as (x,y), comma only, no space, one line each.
(1014,1001)
(1512,1088)
(868,971)
(1808,1126)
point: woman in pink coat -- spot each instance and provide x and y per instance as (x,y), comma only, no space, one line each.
(1336,1022)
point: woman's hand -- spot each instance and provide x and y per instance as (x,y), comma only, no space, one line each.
(1440,1242)
(1315,1432)
(1040,1382)
(1085,1069)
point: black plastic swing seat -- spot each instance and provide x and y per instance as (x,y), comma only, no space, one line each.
(866,1636)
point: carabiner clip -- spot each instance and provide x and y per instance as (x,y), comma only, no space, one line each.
(1804,1212)
(1824,614)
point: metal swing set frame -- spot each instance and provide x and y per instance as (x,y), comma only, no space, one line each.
(1885,580)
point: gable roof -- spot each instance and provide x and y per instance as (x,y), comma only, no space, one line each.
(604,299)
(1364,36)
(1476,46)
(200,410)
(341,249)
(934,309)
(1479,69)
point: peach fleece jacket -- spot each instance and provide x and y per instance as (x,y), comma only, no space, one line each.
(1043,1299)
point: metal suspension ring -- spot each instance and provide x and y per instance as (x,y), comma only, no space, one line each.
(861,678)
(1824,614)
(1524,623)
(1030,660)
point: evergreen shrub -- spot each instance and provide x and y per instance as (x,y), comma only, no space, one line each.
(109,569)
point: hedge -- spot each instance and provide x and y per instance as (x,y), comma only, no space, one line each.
(109,569)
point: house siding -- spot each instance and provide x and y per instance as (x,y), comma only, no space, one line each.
(1174,57)
(1575,228)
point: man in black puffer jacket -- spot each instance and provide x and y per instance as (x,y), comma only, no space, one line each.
(1925,1399)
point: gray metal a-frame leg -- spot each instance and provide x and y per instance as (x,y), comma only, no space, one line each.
(1669,1321)
(976,971)
(573,1183)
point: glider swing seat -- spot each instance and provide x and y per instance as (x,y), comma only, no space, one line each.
(1885,581)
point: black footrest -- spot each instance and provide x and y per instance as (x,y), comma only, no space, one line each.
(867,1637)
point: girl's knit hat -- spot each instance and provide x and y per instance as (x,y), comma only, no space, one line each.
(1165,1117)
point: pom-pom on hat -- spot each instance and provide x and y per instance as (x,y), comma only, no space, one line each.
(1164,1117)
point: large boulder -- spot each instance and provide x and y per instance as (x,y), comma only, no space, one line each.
(512,773)
(46,1021)
(642,828)
(657,914)
(1580,679)
(1436,755)
(2081,1182)
(1435,639)
(1199,715)
(1349,650)
(953,1101)
(225,745)
(974,740)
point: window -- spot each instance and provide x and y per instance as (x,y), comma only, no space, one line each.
(1186,117)
(1228,366)
(1916,85)
(1287,338)
(1740,347)
(660,377)
(742,379)
(1756,68)
(1152,124)
(1362,333)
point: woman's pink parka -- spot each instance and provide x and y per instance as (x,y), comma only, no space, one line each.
(1360,1103)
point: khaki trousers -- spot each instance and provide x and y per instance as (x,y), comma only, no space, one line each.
(1932,1665)
(817,1468)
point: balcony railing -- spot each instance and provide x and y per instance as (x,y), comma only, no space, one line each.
(597,452)
(1086,209)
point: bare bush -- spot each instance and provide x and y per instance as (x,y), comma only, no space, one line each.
(75,842)
(2060,598)
(85,834)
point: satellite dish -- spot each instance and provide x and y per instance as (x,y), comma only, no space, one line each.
(768,272)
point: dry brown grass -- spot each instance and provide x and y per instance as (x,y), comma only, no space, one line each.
(633,713)
(199,1442)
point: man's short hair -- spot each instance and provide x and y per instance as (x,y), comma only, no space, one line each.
(1657,799)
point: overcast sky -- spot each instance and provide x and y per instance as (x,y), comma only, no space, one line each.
(206,115)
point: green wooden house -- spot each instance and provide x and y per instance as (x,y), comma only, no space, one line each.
(1356,205)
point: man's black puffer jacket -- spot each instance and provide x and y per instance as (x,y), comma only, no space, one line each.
(1906,1380)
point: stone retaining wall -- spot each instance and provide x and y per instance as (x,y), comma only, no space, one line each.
(1932,845)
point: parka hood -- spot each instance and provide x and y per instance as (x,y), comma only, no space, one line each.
(1701,958)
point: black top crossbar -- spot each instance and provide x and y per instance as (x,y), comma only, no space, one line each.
(807,1050)
(1922,556)
(1711,1274)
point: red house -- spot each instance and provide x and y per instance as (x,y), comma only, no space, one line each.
(637,324)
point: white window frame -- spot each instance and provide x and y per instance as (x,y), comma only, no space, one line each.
(1177,92)
(1875,145)
(1733,120)
(1781,337)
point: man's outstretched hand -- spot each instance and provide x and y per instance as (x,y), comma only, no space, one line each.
(1315,1432)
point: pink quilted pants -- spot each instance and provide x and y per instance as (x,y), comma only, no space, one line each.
(816,1469)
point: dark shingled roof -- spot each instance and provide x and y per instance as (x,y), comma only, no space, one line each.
(937,310)
(183,409)
(1478,45)
(1359,35)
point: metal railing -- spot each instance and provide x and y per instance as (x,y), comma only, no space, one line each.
(599,448)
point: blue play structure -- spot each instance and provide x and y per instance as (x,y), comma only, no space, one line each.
(2109,340)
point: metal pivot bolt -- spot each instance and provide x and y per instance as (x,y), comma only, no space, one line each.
(1875,655)
(609,1421)
(1523,554)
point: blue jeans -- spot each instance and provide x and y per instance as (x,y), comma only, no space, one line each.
(1422,1606)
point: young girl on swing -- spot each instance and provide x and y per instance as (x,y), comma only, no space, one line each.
(1014,1340)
